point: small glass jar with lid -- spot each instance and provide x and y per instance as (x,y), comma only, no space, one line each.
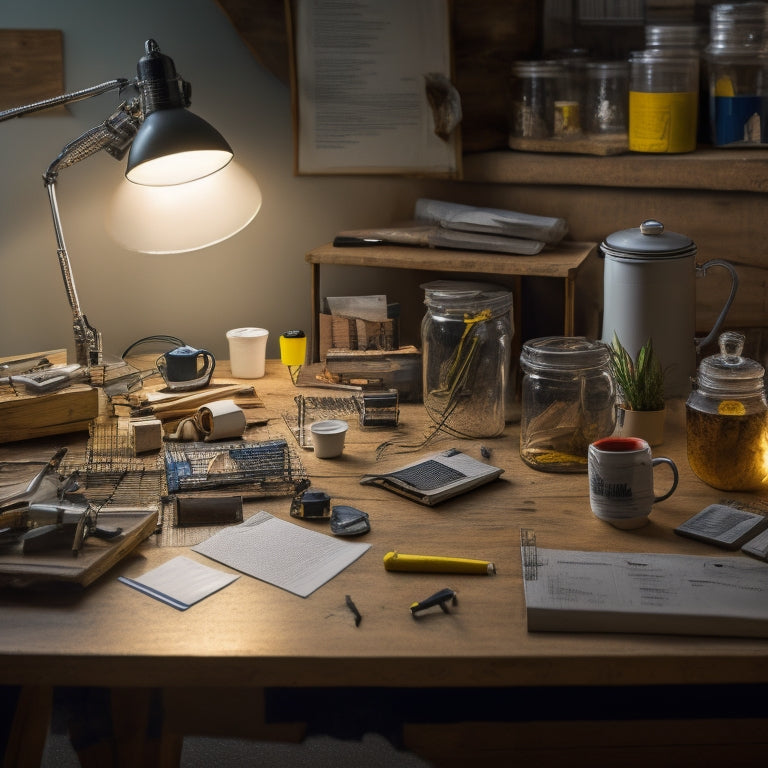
(534,87)
(727,419)
(568,401)
(606,97)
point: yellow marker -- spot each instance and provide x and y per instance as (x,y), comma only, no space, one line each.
(429,564)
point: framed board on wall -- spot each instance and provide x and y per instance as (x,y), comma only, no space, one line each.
(372,88)
(31,66)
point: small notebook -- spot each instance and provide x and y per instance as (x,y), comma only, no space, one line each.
(436,478)
(723,525)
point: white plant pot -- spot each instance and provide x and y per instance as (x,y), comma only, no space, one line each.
(649,425)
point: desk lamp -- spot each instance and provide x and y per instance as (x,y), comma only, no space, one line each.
(169,148)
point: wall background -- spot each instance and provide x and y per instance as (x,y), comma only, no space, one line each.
(259,277)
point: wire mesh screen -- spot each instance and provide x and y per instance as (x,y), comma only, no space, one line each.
(111,476)
(253,469)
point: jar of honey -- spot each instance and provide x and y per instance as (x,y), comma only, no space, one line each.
(727,419)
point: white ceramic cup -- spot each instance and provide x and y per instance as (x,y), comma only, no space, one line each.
(328,437)
(621,488)
(247,352)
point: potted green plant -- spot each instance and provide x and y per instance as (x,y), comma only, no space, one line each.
(639,381)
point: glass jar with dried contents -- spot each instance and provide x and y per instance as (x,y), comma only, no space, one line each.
(568,401)
(466,338)
(727,419)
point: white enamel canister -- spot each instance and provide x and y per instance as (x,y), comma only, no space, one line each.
(650,292)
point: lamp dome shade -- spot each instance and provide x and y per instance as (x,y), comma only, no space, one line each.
(183,217)
(174,146)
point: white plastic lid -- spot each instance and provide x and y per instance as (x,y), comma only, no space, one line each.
(246,332)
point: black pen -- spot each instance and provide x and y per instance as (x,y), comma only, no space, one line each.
(352,607)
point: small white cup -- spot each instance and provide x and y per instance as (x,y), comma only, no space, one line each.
(621,480)
(247,352)
(328,437)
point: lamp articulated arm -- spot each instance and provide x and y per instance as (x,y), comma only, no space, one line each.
(115,136)
(160,95)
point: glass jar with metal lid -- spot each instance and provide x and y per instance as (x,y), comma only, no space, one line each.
(727,419)
(568,401)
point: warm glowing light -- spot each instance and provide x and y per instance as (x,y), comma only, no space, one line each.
(179,168)
(183,217)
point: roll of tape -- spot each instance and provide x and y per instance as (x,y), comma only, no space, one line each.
(220,419)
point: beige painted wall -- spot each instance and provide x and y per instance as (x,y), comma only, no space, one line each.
(259,277)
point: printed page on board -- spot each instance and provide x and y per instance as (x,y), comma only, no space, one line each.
(372,89)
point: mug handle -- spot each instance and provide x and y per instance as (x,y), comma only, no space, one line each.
(208,365)
(701,271)
(675,476)
(187,386)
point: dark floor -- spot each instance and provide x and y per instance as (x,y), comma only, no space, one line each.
(372,751)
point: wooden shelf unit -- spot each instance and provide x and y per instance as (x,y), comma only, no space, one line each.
(563,262)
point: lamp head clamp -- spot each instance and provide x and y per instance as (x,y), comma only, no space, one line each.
(160,86)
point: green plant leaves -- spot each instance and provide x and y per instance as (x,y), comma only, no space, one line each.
(640,381)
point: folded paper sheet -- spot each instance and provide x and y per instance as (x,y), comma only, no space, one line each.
(181,582)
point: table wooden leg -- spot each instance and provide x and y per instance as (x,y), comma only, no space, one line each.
(314,354)
(139,726)
(29,729)
(122,728)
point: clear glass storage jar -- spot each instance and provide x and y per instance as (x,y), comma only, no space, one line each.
(606,96)
(568,401)
(663,100)
(726,419)
(534,87)
(466,337)
(736,60)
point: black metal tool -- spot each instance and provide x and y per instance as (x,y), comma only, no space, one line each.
(441,598)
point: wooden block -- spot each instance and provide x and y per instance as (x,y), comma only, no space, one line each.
(147,435)
(25,416)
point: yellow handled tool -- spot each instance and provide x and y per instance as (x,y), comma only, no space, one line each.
(393,561)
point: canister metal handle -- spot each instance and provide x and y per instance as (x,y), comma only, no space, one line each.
(701,271)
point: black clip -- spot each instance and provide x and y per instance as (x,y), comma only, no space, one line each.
(311,504)
(441,598)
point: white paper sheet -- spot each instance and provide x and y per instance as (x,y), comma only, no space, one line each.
(282,553)
(181,582)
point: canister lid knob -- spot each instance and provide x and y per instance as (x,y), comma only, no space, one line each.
(651,227)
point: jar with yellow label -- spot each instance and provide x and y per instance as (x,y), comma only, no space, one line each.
(663,100)
(727,420)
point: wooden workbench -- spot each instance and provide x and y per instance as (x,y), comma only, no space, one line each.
(252,637)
